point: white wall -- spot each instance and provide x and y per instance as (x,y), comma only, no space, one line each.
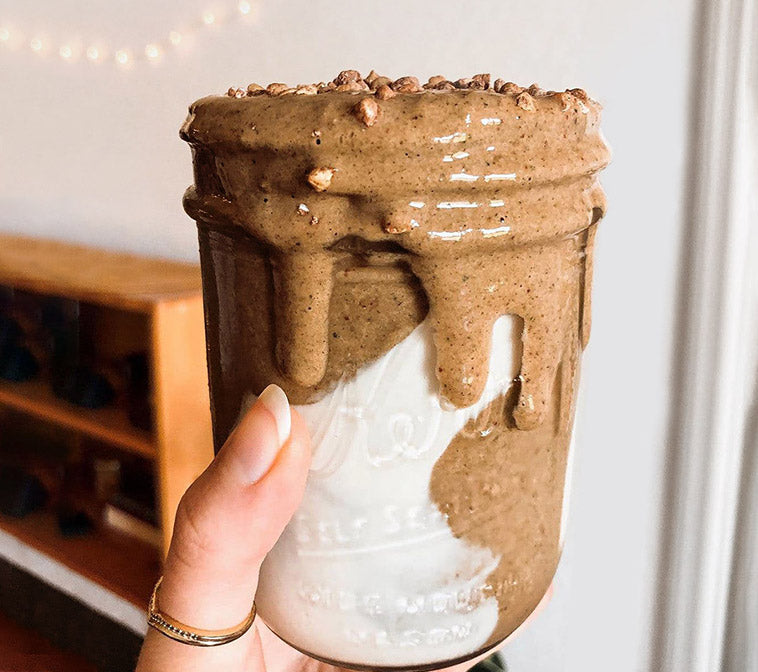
(92,154)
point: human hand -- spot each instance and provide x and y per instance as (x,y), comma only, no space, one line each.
(227,521)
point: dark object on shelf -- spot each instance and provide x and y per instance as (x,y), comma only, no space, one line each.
(84,387)
(139,409)
(72,379)
(10,333)
(74,523)
(18,364)
(20,493)
(493,663)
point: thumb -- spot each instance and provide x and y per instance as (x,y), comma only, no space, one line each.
(233,514)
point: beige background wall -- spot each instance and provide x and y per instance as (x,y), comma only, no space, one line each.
(91,153)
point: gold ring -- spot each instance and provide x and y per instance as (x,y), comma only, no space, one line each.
(180,632)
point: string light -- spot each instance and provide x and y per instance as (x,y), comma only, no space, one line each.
(122,57)
(151,51)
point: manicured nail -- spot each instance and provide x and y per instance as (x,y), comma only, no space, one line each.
(275,401)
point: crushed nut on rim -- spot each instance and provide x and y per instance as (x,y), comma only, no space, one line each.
(366,111)
(320,178)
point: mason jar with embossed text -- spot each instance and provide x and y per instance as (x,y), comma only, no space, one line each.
(414,270)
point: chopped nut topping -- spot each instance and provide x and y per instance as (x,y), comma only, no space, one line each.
(347,76)
(397,227)
(536,91)
(276,88)
(307,90)
(525,101)
(384,92)
(407,85)
(579,93)
(378,82)
(302,209)
(371,77)
(321,178)
(512,89)
(350,81)
(483,80)
(353,87)
(314,220)
(367,111)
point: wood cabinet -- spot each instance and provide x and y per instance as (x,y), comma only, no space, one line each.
(132,302)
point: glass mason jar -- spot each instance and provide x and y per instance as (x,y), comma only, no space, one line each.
(420,289)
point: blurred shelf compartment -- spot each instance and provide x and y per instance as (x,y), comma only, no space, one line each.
(124,565)
(35,398)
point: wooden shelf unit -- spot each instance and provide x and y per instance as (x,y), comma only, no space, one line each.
(168,295)
(109,425)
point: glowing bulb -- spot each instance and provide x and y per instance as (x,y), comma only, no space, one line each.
(66,52)
(244,7)
(122,57)
(175,37)
(35,44)
(5,34)
(152,51)
(209,18)
(93,53)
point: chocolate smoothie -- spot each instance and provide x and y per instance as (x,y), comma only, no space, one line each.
(413,266)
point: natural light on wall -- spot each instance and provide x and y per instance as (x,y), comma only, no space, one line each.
(95,50)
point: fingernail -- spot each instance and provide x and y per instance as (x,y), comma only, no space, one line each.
(275,401)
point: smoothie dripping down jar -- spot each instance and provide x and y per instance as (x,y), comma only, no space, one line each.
(412,265)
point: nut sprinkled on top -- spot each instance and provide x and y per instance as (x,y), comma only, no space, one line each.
(525,101)
(320,178)
(385,92)
(407,85)
(367,111)
(384,88)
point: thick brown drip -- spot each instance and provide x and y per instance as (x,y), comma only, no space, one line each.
(303,283)
(372,308)
(504,491)
(483,196)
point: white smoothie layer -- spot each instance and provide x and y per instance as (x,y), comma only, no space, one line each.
(368,570)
